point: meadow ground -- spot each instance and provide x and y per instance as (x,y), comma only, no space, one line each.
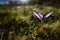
(28,27)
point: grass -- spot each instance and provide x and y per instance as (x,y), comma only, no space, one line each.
(26,29)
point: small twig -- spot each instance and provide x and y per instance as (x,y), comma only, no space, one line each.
(2,36)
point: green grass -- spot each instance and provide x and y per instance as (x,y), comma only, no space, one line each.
(50,30)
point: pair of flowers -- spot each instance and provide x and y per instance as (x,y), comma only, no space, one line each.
(40,15)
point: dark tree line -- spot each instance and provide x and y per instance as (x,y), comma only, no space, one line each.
(54,3)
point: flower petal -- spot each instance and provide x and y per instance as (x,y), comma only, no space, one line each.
(37,15)
(40,14)
(48,15)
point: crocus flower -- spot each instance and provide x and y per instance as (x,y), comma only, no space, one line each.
(40,15)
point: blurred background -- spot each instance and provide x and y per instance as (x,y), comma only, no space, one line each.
(17,21)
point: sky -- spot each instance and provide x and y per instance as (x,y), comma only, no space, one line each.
(4,2)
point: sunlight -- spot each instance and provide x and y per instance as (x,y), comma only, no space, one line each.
(24,1)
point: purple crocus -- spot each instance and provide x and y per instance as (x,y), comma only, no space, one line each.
(40,15)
